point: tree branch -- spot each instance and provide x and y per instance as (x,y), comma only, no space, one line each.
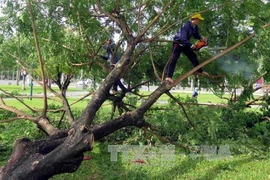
(19,113)
(183,108)
(141,34)
(153,65)
(10,95)
(41,63)
(119,19)
(165,140)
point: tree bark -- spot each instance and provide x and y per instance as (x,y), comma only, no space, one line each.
(40,160)
(60,153)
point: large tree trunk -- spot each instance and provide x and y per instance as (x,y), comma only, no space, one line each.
(44,158)
(60,153)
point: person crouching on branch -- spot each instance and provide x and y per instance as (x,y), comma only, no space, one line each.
(112,59)
(181,43)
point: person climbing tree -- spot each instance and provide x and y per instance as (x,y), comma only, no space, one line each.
(112,58)
(181,43)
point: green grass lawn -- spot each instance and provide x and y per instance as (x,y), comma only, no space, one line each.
(38,102)
(234,167)
(204,97)
(36,89)
(183,166)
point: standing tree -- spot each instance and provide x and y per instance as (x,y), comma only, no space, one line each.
(61,37)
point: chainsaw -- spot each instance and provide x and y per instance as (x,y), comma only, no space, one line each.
(203,45)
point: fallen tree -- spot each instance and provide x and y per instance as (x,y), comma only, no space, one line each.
(63,150)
